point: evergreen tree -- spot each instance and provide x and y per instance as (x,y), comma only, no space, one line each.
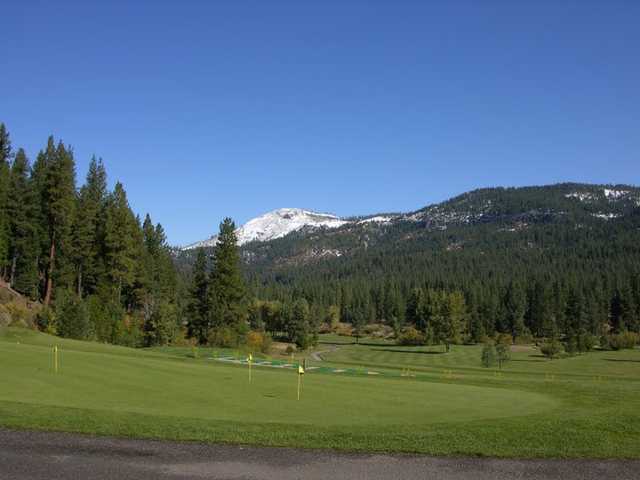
(88,227)
(58,207)
(121,231)
(6,154)
(157,292)
(22,213)
(198,309)
(415,309)
(454,315)
(299,324)
(228,290)
(516,305)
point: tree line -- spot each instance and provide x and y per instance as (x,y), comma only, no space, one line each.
(566,274)
(100,271)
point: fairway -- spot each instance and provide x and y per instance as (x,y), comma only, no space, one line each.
(155,385)
(119,391)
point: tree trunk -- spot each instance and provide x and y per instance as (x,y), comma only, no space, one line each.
(80,281)
(12,278)
(49,287)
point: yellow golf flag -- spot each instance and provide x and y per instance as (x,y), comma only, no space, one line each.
(300,373)
(250,358)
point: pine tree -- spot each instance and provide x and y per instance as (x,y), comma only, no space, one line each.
(299,324)
(228,290)
(6,154)
(21,208)
(454,315)
(414,315)
(87,229)
(59,204)
(516,307)
(121,231)
(198,308)
(158,287)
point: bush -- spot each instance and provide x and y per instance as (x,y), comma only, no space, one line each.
(411,336)
(504,339)
(525,338)
(267,341)
(182,339)
(290,349)
(223,337)
(551,349)
(46,321)
(73,318)
(623,340)
(19,314)
(344,329)
(488,355)
(503,353)
(258,341)
(129,332)
(585,342)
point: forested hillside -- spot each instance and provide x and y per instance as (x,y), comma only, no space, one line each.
(99,271)
(561,260)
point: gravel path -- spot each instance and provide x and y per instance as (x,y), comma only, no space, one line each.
(46,456)
(317,356)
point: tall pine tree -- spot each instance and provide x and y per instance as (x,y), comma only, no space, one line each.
(228,290)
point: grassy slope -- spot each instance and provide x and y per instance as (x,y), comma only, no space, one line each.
(458,409)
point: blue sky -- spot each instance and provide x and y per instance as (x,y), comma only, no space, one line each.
(213,109)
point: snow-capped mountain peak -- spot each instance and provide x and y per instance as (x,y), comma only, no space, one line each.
(276,224)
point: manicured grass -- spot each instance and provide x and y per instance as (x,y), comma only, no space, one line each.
(450,406)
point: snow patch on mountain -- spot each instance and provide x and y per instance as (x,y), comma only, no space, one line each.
(378,219)
(582,196)
(277,224)
(606,216)
(615,194)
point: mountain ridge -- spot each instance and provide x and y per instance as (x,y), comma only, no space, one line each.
(478,205)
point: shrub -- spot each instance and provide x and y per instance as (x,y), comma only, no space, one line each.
(129,332)
(488,355)
(182,339)
(73,318)
(20,315)
(223,337)
(585,342)
(290,349)
(46,321)
(503,353)
(551,349)
(623,340)
(254,341)
(267,341)
(411,336)
(525,338)
(344,329)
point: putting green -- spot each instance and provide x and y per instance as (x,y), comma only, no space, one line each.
(109,379)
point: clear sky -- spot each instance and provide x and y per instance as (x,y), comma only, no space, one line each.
(211,109)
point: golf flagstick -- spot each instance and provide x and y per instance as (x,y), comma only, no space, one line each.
(300,373)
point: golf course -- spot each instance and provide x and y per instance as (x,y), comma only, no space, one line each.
(367,397)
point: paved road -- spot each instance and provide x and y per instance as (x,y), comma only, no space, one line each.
(40,456)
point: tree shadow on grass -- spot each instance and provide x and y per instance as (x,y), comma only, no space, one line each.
(536,360)
(620,360)
(398,350)
(365,344)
